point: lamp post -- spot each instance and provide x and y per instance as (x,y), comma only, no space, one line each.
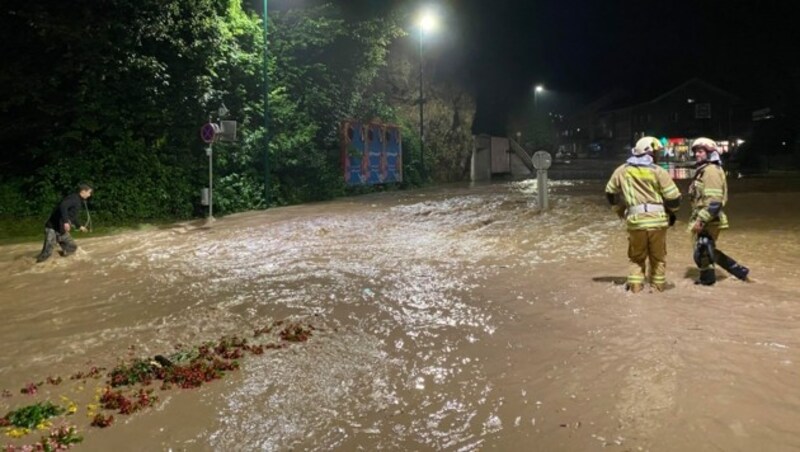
(426,22)
(267,190)
(538,89)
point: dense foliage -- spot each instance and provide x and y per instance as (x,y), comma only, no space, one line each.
(114,93)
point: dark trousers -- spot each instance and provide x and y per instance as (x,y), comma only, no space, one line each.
(707,254)
(51,238)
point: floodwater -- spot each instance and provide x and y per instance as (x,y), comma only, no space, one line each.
(456,318)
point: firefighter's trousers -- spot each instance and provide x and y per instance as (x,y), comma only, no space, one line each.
(644,245)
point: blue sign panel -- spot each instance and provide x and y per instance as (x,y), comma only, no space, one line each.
(394,155)
(354,153)
(371,153)
(377,154)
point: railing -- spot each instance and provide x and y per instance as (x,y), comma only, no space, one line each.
(520,152)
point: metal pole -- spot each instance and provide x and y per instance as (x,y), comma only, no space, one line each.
(541,188)
(210,152)
(421,114)
(267,190)
(535,120)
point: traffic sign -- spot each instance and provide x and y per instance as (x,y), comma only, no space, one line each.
(541,160)
(209,132)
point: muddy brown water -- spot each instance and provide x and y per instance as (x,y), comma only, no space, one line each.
(455,318)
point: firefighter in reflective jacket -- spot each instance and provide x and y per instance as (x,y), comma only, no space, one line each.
(709,194)
(643,194)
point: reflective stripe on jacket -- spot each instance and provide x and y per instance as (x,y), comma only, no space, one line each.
(638,185)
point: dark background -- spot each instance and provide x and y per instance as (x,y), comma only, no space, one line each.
(581,49)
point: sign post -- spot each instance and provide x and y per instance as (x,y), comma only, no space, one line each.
(208,134)
(210,153)
(542,161)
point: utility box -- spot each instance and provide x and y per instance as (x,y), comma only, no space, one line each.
(227,130)
(204,196)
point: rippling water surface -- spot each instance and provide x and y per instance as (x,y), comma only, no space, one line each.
(457,318)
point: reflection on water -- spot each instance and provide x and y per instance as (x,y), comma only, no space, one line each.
(454,318)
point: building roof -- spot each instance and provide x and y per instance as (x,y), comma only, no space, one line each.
(702,83)
(628,103)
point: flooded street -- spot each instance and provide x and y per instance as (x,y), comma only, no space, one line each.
(456,318)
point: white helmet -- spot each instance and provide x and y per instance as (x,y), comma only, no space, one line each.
(706,143)
(646,145)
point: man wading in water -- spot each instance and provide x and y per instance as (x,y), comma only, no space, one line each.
(61,222)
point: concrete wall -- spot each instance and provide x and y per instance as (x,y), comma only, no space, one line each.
(481,165)
(501,162)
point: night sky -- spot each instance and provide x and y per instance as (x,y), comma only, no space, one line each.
(587,48)
(581,49)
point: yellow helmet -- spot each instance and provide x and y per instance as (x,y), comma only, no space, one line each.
(646,145)
(706,143)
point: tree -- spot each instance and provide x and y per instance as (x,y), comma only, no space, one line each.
(449,111)
(128,84)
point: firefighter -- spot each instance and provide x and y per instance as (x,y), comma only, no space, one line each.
(709,194)
(643,194)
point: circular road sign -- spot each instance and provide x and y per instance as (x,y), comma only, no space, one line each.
(541,160)
(208,132)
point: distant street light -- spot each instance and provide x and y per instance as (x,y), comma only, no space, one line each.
(427,22)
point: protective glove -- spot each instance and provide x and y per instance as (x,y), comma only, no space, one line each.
(619,210)
(672,219)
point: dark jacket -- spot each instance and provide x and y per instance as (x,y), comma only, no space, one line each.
(65,212)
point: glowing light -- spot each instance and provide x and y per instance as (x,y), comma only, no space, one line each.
(428,21)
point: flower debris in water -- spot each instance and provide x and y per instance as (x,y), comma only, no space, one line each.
(187,368)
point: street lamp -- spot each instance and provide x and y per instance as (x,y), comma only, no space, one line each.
(536,91)
(266,113)
(427,22)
